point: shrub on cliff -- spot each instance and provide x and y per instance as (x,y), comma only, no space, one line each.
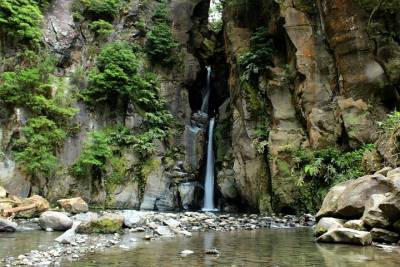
(160,45)
(93,10)
(21,19)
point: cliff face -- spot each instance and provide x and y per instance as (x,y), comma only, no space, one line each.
(329,86)
(331,76)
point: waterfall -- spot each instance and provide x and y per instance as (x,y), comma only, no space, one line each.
(209,178)
(206,94)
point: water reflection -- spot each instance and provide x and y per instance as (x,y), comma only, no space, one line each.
(270,247)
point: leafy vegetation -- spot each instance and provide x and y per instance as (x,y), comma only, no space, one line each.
(256,60)
(160,43)
(322,169)
(30,88)
(21,19)
(93,10)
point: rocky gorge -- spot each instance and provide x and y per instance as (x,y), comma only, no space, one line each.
(163,108)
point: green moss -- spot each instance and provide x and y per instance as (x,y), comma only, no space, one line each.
(103,225)
(149,166)
(93,10)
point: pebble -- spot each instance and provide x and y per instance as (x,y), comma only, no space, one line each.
(185,253)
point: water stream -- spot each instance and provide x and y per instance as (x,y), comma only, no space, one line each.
(209,178)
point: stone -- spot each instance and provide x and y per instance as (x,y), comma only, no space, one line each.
(41,205)
(185,253)
(56,220)
(329,205)
(327,223)
(347,200)
(163,231)
(212,251)
(7,225)
(384,171)
(85,217)
(68,236)
(373,215)
(106,224)
(171,223)
(393,172)
(382,235)
(73,205)
(346,236)
(133,218)
(3,192)
(355,224)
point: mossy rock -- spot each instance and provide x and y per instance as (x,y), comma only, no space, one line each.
(106,224)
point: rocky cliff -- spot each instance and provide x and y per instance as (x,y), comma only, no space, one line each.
(298,89)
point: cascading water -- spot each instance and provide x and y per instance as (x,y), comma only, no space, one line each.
(206,93)
(209,176)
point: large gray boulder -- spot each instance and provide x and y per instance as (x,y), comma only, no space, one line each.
(329,205)
(347,200)
(7,225)
(373,215)
(57,221)
(327,223)
(346,236)
(382,235)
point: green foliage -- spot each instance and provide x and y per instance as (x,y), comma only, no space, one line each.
(95,153)
(322,169)
(21,19)
(30,88)
(115,75)
(391,123)
(256,60)
(160,44)
(101,27)
(36,150)
(94,10)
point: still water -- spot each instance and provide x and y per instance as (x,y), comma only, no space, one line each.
(268,247)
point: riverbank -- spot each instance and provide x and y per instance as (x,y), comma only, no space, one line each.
(145,227)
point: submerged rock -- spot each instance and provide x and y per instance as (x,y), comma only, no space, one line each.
(73,205)
(346,236)
(7,225)
(55,220)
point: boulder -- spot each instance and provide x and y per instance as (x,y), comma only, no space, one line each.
(347,200)
(393,172)
(7,225)
(57,221)
(133,218)
(106,224)
(384,171)
(346,236)
(382,235)
(31,207)
(326,224)
(73,205)
(355,224)
(390,207)
(186,194)
(373,215)
(329,205)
